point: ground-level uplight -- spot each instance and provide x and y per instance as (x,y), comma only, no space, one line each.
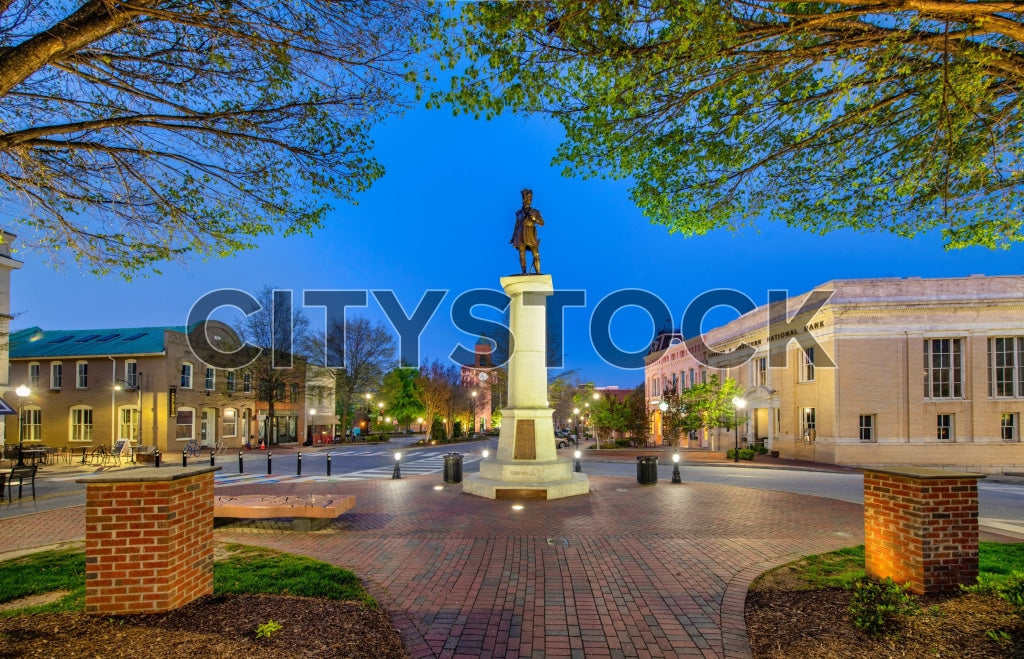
(676,478)
(398,461)
(517,507)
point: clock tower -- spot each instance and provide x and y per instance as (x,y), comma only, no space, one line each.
(478,379)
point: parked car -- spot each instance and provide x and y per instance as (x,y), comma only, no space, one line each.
(562,442)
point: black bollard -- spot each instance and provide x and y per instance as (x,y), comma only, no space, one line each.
(211,458)
(184,458)
(268,463)
(328,463)
(156,457)
(298,465)
(240,462)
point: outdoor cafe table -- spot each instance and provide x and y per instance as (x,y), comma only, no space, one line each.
(36,454)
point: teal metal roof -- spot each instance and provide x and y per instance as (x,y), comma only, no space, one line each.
(34,342)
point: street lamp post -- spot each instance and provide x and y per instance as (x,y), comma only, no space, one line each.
(309,425)
(593,426)
(369,411)
(738,404)
(663,406)
(472,425)
(23,393)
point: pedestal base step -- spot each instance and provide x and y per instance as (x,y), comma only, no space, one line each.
(494,489)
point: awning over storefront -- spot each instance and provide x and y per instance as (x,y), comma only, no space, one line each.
(5,408)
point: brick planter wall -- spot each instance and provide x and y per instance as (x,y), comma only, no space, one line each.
(148,539)
(921,527)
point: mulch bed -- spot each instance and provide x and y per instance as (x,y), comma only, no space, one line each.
(785,621)
(214,626)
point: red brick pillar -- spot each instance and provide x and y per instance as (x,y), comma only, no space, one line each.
(148,539)
(921,527)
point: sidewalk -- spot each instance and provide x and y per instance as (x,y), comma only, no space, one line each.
(626,571)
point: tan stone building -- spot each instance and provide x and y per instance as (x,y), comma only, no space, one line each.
(144,385)
(883,372)
(7,390)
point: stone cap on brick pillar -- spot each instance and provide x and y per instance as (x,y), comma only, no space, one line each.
(922,473)
(148,474)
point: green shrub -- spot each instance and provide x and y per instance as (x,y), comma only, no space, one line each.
(267,629)
(745,454)
(760,449)
(875,605)
(1013,592)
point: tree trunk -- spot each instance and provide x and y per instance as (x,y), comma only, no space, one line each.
(93,21)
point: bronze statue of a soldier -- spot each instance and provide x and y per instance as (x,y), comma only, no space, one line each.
(524,236)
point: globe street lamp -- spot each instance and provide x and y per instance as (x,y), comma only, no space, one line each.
(738,404)
(23,393)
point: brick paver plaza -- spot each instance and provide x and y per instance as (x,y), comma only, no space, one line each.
(626,571)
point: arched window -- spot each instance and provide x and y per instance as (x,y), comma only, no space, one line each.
(32,418)
(82,375)
(186,375)
(230,423)
(128,422)
(131,372)
(81,423)
(185,424)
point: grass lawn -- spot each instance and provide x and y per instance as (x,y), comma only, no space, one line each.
(841,568)
(247,569)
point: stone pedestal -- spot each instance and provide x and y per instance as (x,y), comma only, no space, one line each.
(527,463)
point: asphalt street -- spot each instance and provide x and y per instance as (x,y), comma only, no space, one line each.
(1001,504)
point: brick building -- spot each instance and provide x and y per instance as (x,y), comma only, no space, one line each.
(478,380)
(913,371)
(145,385)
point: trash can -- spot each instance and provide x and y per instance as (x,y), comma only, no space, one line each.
(453,468)
(647,469)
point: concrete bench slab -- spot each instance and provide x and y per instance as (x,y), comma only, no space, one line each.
(307,512)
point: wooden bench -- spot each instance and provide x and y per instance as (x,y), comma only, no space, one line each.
(307,512)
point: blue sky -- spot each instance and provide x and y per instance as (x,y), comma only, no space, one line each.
(441,218)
